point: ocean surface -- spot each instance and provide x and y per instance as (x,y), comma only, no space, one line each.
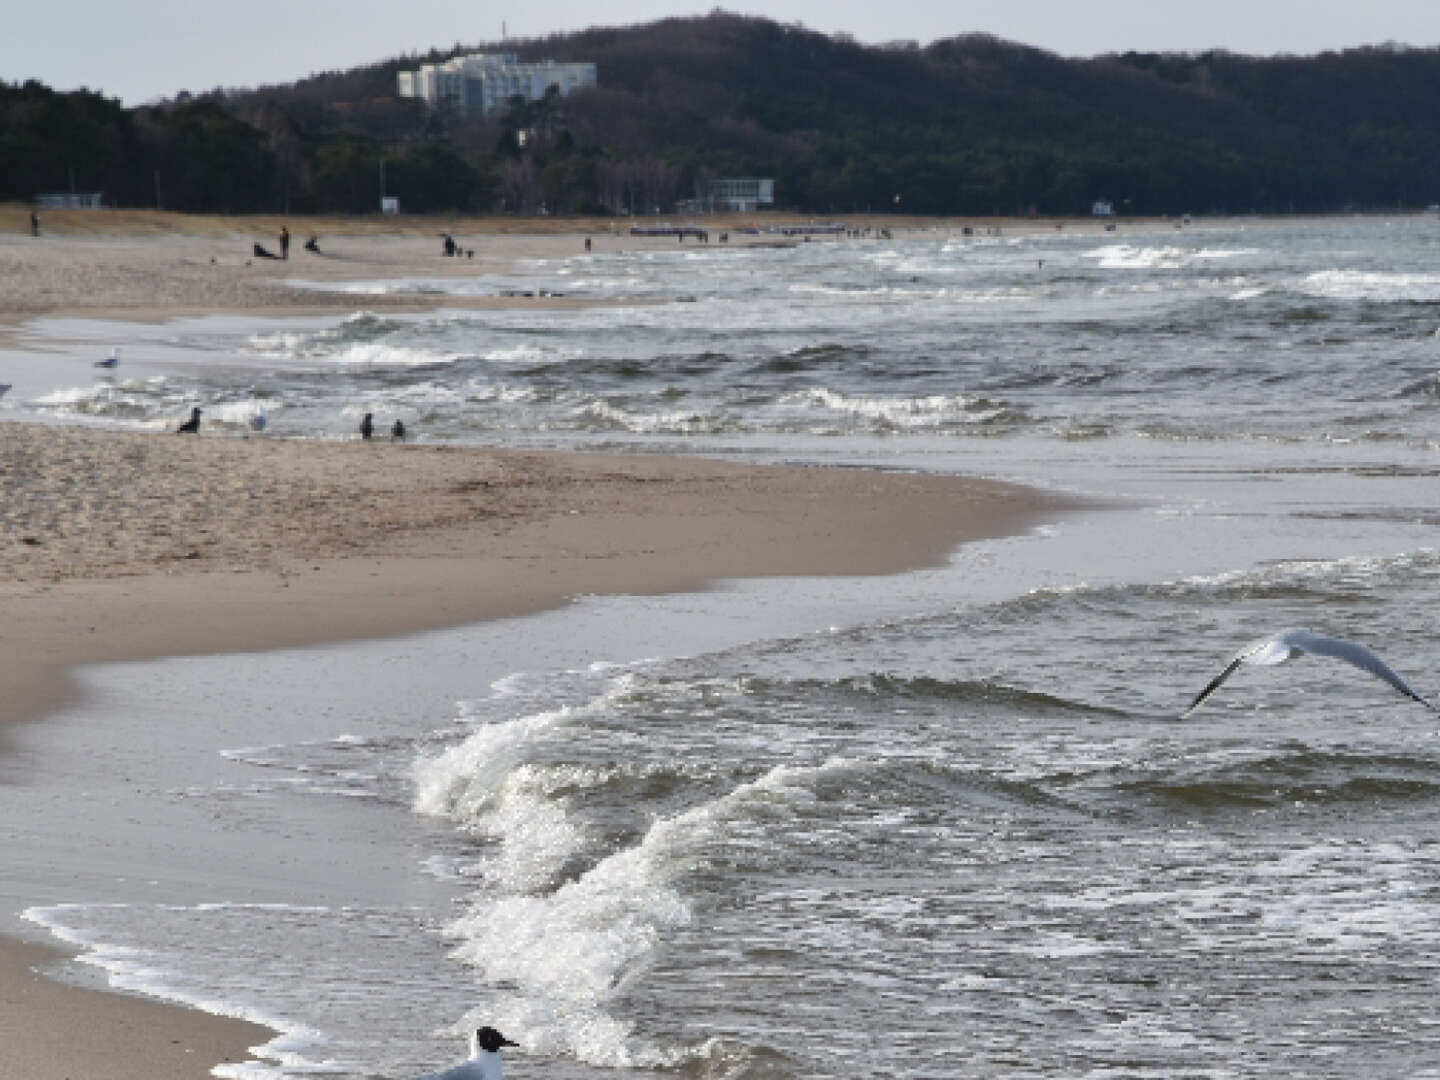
(941,824)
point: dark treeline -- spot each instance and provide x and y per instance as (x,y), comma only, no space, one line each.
(967,125)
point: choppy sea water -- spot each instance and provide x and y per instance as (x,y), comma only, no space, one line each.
(941,824)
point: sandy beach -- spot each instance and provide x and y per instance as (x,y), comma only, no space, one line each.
(119,545)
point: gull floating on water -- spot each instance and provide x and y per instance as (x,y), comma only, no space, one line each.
(484,1063)
(1291,643)
(113,360)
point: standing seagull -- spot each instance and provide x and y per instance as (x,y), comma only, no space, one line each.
(1291,643)
(484,1063)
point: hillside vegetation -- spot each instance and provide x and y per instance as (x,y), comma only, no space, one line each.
(967,125)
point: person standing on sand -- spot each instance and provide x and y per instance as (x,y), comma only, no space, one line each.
(34,223)
(284,242)
(367,426)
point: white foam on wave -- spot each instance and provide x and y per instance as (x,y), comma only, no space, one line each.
(1371,285)
(1358,571)
(1169,257)
(422,286)
(527,355)
(245,412)
(1130,257)
(570,951)
(917,413)
(358,340)
(670,422)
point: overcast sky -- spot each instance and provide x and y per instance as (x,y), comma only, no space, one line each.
(138,50)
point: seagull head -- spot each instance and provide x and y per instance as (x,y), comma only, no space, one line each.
(490,1040)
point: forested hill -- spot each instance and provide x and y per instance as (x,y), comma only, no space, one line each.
(967,125)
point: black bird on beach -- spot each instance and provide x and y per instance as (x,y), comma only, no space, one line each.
(191,426)
(367,426)
(397,431)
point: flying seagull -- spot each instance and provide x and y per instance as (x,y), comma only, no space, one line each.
(1291,643)
(484,1063)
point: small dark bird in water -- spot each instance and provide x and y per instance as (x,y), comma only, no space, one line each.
(113,360)
(367,426)
(191,426)
(397,431)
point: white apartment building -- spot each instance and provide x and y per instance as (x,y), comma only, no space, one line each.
(484,82)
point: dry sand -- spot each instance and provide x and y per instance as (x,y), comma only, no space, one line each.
(117,546)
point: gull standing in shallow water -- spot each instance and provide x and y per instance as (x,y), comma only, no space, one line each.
(484,1063)
(1290,643)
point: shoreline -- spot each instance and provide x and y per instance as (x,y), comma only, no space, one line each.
(53,1030)
(126,546)
(118,545)
(479,534)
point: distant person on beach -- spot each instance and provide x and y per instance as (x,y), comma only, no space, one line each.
(284,242)
(367,426)
(450,247)
(261,252)
(191,426)
(313,244)
(34,223)
(397,431)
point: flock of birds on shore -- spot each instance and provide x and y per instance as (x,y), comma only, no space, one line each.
(258,422)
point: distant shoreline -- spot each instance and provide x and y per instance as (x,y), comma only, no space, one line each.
(15,218)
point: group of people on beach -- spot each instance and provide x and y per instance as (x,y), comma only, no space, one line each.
(260,251)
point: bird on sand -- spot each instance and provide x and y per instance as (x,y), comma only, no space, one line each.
(113,360)
(191,426)
(484,1063)
(1291,643)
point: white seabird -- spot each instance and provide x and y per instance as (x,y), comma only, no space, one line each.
(484,1063)
(1291,643)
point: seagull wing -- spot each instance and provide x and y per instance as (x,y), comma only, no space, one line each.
(1282,646)
(1355,654)
(1214,684)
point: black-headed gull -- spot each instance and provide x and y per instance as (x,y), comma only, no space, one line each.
(484,1063)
